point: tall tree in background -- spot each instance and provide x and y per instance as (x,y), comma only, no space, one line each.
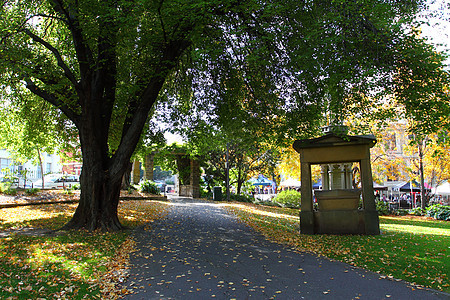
(28,131)
(105,64)
(429,161)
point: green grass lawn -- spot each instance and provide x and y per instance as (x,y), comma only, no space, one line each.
(409,248)
(70,265)
(78,264)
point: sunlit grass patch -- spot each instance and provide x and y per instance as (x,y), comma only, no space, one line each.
(415,225)
(69,265)
(413,249)
(265,210)
(138,212)
(51,216)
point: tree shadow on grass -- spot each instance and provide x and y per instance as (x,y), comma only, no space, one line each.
(44,267)
(43,263)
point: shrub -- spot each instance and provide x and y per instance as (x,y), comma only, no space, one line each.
(5,186)
(439,212)
(288,198)
(382,208)
(241,198)
(148,186)
(32,191)
(418,211)
(2,187)
(205,194)
(10,191)
(401,212)
(68,191)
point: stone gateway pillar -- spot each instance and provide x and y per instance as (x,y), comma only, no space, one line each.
(189,170)
(195,178)
(338,203)
(135,172)
(148,171)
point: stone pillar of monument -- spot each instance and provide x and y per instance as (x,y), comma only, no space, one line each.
(336,176)
(135,172)
(306,213)
(325,177)
(195,178)
(348,176)
(148,171)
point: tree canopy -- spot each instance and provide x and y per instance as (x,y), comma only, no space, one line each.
(31,128)
(275,68)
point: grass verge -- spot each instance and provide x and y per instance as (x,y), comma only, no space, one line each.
(410,248)
(69,265)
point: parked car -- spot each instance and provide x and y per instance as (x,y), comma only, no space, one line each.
(57,181)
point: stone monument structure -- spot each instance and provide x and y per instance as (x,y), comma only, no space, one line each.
(188,168)
(338,202)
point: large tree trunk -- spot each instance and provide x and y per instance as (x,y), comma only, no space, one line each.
(100,188)
(85,89)
(240,180)
(41,166)
(423,196)
(99,201)
(126,179)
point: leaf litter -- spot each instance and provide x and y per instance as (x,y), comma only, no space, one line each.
(412,249)
(71,264)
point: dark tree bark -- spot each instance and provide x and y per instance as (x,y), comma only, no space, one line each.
(100,185)
(101,176)
(126,179)
(41,167)
(94,89)
(240,181)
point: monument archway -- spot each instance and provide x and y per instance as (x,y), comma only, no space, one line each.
(188,170)
(338,209)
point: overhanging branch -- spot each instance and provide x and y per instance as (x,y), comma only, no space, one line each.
(53,99)
(67,72)
(84,53)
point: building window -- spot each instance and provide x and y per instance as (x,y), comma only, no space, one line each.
(391,142)
(49,168)
(5,163)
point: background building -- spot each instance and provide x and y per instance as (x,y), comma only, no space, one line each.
(51,164)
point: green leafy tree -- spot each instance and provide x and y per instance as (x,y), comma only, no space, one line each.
(28,131)
(106,64)
(244,159)
(159,174)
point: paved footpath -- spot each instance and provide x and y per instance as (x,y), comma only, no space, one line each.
(199,251)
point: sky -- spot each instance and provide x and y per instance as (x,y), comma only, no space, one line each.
(172,138)
(438,28)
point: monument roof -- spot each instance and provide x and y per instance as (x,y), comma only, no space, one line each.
(333,139)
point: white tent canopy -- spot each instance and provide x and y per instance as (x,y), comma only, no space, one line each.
(290,183)
(443,189)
